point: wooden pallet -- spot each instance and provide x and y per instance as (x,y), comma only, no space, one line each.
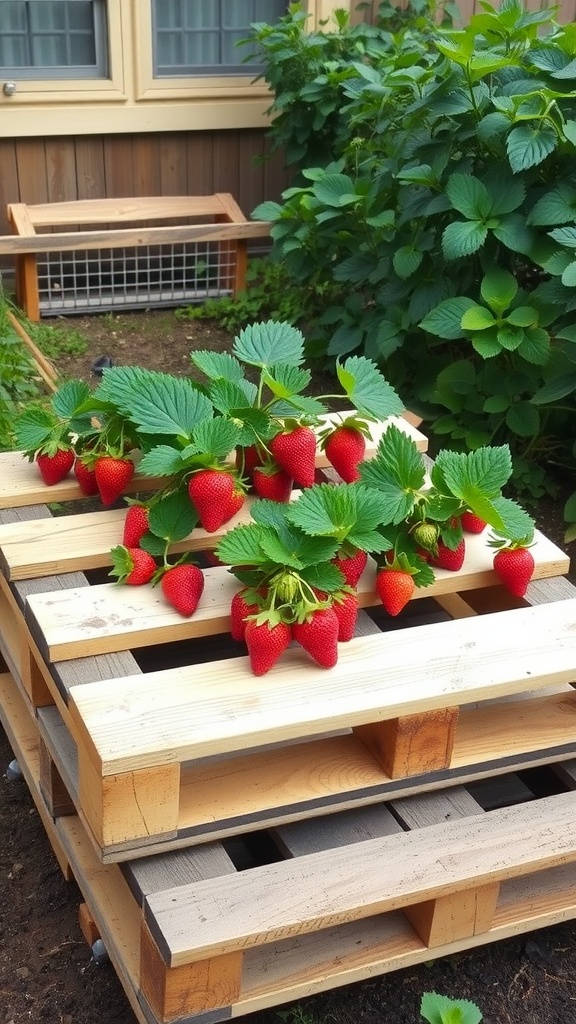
(221,930)
(157,753)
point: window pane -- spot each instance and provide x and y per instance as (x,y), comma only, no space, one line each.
(53,38)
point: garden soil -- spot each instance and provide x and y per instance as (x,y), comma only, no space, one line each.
(48,973)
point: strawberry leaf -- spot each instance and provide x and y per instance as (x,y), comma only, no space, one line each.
(265,343)
(33,429)
(218,365)
(302,403)
(269,513)
(323,576)
(242,545)
(163,460)
(154,545)
(348,512)
(369,392)
(475,475)
(295,550)
(226,395)
(156,402)
(215,437)
(437,1009)
(396,472)
(508,518)
(285,380)
(440,507)
(69,398)
(173,517)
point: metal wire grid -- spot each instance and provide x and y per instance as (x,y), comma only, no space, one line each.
(110,279)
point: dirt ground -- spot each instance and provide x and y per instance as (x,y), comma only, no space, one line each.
(47,973)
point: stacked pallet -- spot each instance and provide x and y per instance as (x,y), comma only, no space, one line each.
(241,841)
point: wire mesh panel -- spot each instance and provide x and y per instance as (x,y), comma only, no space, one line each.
(109,279)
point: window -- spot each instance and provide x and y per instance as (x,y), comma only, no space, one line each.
(53,39)
(193,37)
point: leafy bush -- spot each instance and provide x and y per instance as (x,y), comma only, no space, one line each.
(442,219)
(17,384)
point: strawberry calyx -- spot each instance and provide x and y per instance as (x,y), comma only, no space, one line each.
(500,543)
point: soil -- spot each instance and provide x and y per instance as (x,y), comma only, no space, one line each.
(47,972)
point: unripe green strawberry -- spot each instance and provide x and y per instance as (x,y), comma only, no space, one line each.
(54,466)
(345,448)
(426,536)
(295,452)
(395,588)
(352,566)
(132,565)
(472,523)
(135,525)
(318,635)
(514,567)
(112,476)
(217,497)
(266,644)
(182,586)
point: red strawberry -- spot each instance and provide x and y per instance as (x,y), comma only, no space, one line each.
(272,482)
(86,477)
(239,611)
(514,567)
(448,558)
(352,566)
(182,586)
(265,644)
(216,496)
(295,453)
(113,475)
(346,608)
(395,588)
(132,565)
(318,635)
(247,459)
(472,523)
(54,467)
(345,448)
(135,525)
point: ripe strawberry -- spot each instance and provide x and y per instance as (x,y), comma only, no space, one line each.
(54,467)
(395,588)
(345,606)
(345,448)
(295,453)
(265,644)
(472,523)
(135,525)
(318,635)
(514,568)
(448,558)
(272,482)
(86,477)
(239,611)
(352,566)
(247,459)
(182,586)
(132,565)
(113,475)
(217,497)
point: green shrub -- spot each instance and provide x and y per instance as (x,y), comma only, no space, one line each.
(17,384)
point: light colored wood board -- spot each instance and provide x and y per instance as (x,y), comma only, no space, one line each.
(332,830)
(180,867)
(61,746)
(424,809)
(186,713)
(542,591)
(323,889)
(107,617)
(118,238)
(95,211)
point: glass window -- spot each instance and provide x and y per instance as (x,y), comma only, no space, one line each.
(53,39)
(193,37)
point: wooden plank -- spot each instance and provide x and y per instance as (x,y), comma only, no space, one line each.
(145,207)
(117,238)
(232,709)
(210,919)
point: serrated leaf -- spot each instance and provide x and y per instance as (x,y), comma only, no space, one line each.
(369,392)
(157,403)
(162,460)
(445,320)
(305,404)
(173,517)
(269,342)
(514,233)
(296,550)
(436,1009)
(486,345)
(441,507)
(216,437)
(242,545)
(226,395)
(153,545)
(483,472)
(69,398)
(324,510)
(555,389)
(477,318)
(396,472)
(469,196)
(528,147)
(462,238)
(406,260)
(33,429)
(459,377)
(498,289)
(335,190)
(555,207)
(510,338)
(569,131)
(217,364)
(522,316)
(323,576)
(523,419)
(566,236)
(285,380)
(269,513)
(515,522)
(569,275)
(536,346)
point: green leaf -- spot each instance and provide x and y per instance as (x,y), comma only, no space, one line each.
(445,320)
(406,260)
(173,517)
(163,460)
(496,403)
(536,346)
(506,193)
(523,419)
(528,147)
(33,429)
(296,550)
(523,316)
(569,131)
(486,345)
(569,275)
(462,238)
(301,403)
(216,437)
(396,472)
(226,395)
(325,510)
(482,472)
(459,376)
(514,521)
(477,318)
(513,232)
(323,576)
(436,1009)
(498,289)
(555,207)
(69,398)
(510,338)
(285,380)
(566,236)
(217,364)
(157,403)
(555,389)
(369,392)
(469,196)
(269,342)
(242,545)
(570,509)
(335,190)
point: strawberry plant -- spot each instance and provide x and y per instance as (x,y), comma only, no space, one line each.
(438,1009)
